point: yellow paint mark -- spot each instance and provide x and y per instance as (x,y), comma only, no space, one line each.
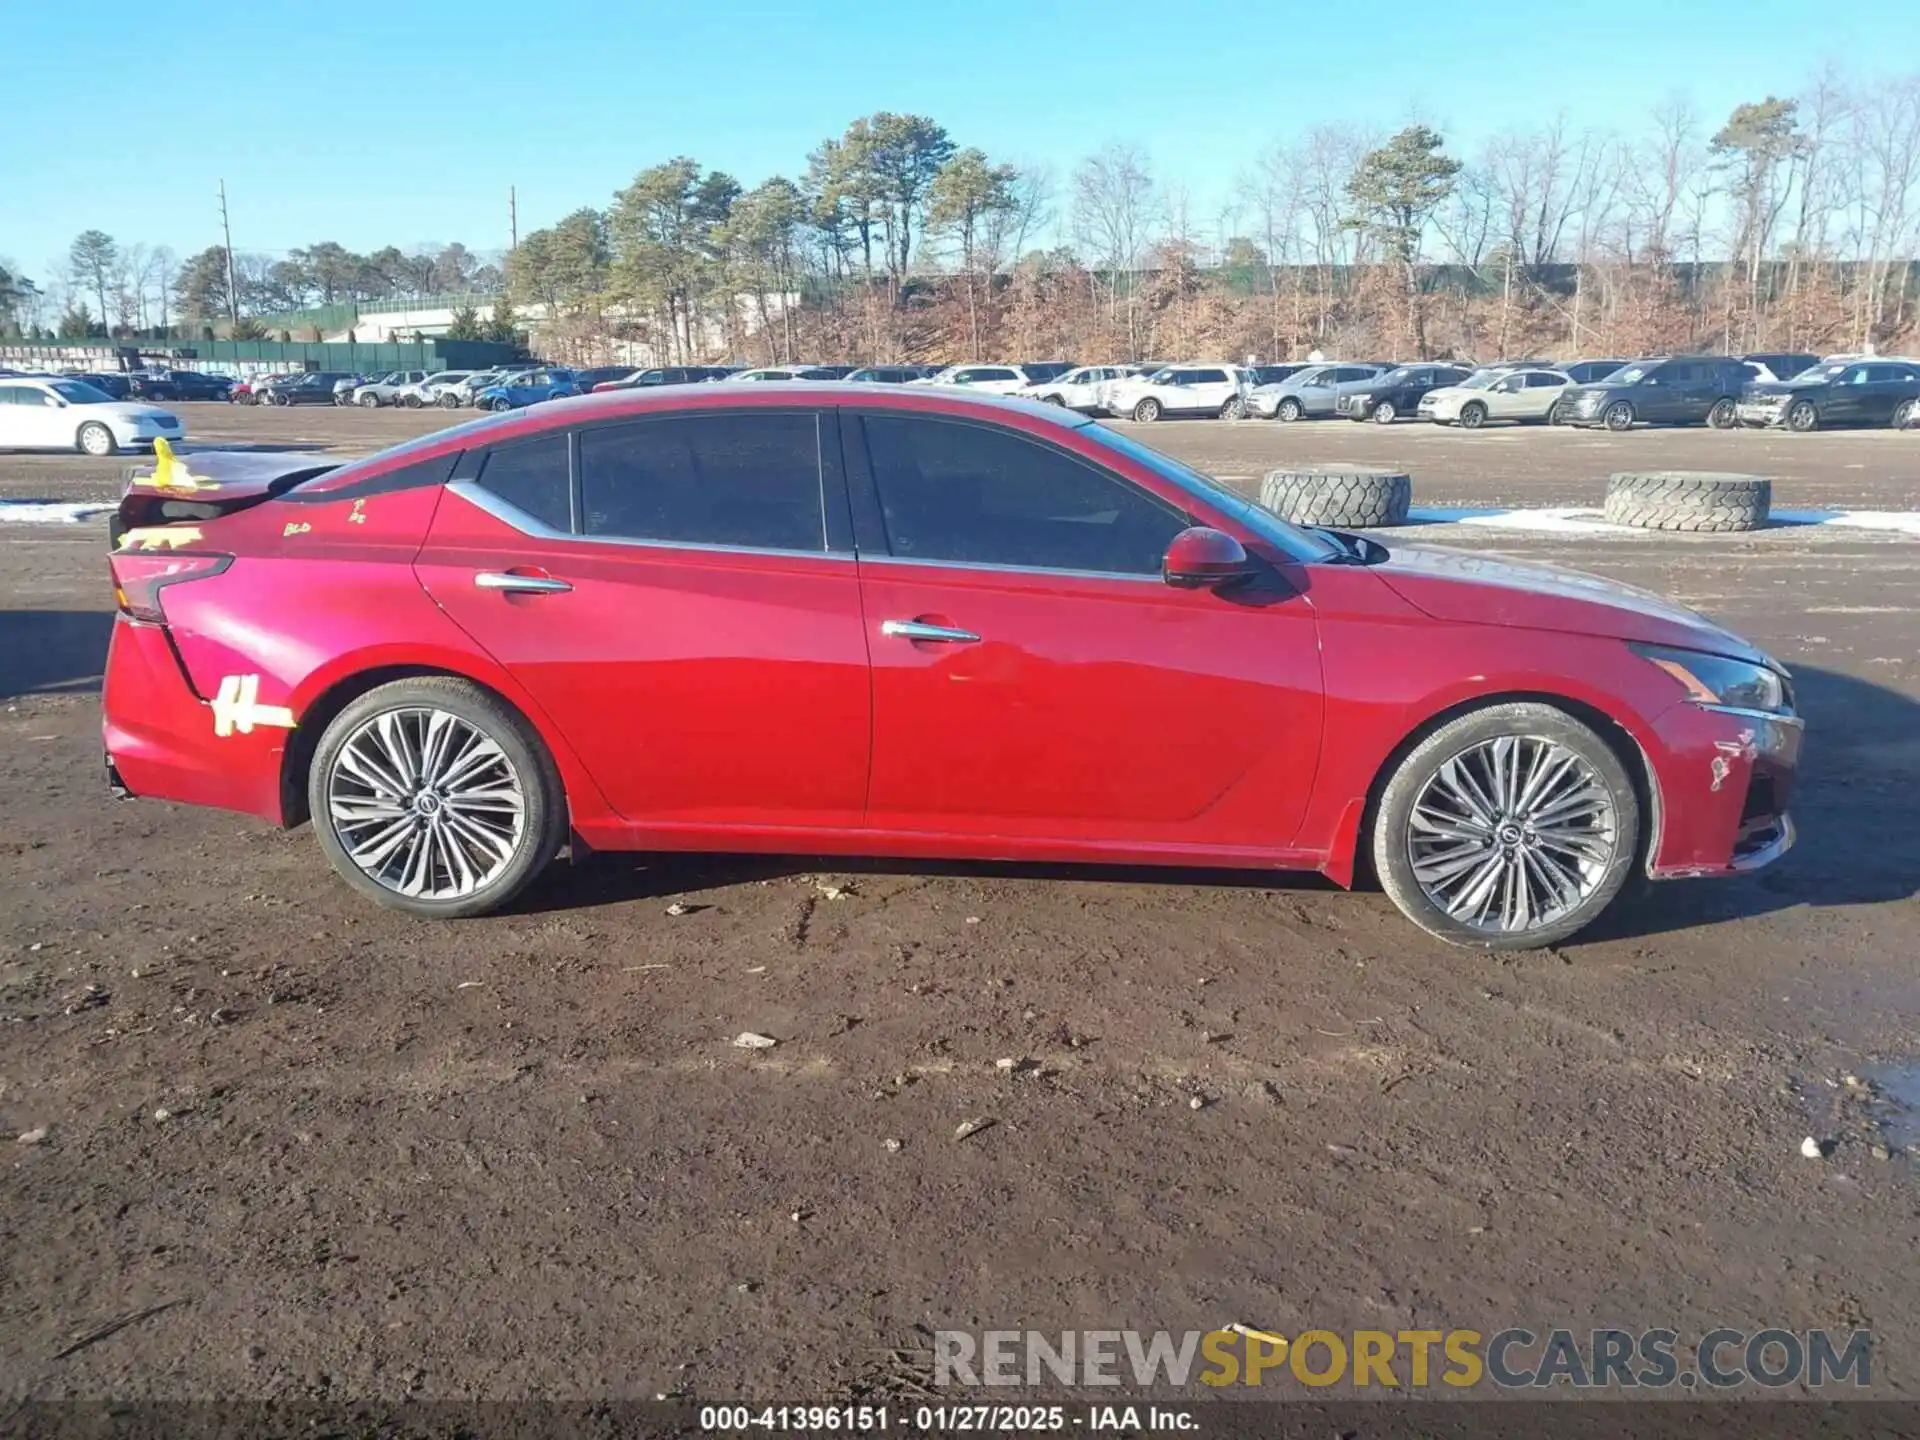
(171,473)
(160,537)
(295,527)
(236,706)
(358,515)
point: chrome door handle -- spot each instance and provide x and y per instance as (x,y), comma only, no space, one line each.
(914,630)
(520,584)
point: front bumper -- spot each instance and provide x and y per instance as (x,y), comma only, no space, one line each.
(1265,406)
(1750,414)
(1726,779)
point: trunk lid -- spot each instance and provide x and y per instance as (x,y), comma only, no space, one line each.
(165,503)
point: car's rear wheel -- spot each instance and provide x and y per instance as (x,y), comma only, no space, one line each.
(1147,411)
(434,797)
(1722,416)
(93,438)
(1803,417)
(1509,828)
(1906,414)
(1234,409)
(1289,410)
(1473,415)
(1619,416)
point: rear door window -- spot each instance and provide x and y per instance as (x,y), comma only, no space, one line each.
(749,481)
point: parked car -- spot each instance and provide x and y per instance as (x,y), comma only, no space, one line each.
(782,372)
(545,643)
(314,387)
(666,375)
(1670,390)
(527,387)
(1040,371)
(885,375)
(1779,365)
(1522,396)
(1196,389)
(344,387)
(480,380)
(1584,372)
(1851,392)
(114,387)
(1308,394)
(178,385)
(441,388)
(63,414)
(1395,393)
(1077,389)
(388,389)
(1276,374)
(598,375)
(986,379)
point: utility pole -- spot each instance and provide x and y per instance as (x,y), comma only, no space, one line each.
(233,290)
(513,218)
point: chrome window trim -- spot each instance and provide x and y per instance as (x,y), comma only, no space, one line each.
(984,567)
(509,514)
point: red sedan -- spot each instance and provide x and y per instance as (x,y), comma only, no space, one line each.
(887,621)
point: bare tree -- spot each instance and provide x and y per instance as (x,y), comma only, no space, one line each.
(1114,204)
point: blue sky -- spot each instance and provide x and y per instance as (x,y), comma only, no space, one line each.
(406,122)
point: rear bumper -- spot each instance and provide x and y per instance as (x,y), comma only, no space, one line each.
(160,737)
(1726,781)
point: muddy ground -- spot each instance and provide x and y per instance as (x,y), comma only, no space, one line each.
(361,1156)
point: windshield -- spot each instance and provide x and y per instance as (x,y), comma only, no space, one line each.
(1629,375)
(77,393)
(1401,376)
(1483,379)
(1822,373)
(1288,539)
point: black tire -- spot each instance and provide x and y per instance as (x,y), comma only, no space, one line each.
(414,402)
(1393,862)
(1234,409)
(367,399)
(1619,416)
(1722,416)
(1687,501)
(95,439)
(1147,411)
(1906,415)
(1339,496)
(1054,399)
(1289,410)
(1558,414)
(448,400)
(1384,413)
(545,805)
(1803,417)
(499,403)
(1473,415)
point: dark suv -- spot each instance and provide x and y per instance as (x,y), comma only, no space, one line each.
(661,375)
(1670,390)
(1398,392)
(1846,392)
(178,385)
(315,387)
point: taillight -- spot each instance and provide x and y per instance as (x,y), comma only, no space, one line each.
(139,577)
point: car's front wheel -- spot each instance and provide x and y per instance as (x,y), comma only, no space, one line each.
(95,439)
(1508,828)
(1147,411)
(1288,410)
(435,797)
(1472,415)
(1384,413)
(448,400)
(499,402)
(1803,417)
(414,402)
(368,399)
(1619,416)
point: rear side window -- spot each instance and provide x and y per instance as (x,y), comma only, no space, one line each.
(979,495)
(1541,380)
(748,480)
(532,477)
(1206,377)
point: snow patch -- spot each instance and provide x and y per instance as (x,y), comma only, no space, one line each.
(51,512)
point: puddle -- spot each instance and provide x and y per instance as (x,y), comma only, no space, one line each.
(1895,1101)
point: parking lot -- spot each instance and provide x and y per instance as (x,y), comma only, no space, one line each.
(319,1150)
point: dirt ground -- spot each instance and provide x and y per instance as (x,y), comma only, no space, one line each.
(357,1156)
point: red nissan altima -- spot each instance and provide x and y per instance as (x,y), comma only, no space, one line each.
(886,621)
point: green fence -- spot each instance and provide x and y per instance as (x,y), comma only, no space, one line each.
(256,356)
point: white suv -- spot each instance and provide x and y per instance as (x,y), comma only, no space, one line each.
(1078,389)
(987,379)
(1195,389)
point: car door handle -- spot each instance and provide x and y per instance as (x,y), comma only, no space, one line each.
(520,584)
(915,630)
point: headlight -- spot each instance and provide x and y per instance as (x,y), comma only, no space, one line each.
(1360,399)
(1725,683)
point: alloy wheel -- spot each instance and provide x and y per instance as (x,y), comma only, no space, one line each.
(1512,834)
(426,804)
(1384,413)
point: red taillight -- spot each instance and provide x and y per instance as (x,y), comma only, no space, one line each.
(140,576)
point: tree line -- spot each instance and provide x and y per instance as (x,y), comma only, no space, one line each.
(1792,222)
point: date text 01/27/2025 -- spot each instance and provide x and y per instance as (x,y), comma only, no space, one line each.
(946,1419)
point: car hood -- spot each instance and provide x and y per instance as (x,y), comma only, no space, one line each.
(1474,589)
(1448,392)
(125,410)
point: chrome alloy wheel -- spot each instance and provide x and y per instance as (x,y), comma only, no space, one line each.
(1512,834)
(426,804)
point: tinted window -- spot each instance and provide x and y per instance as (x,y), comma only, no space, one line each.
(1540,380)
(532,477)
(750,480)
(954,491)
(1207,377)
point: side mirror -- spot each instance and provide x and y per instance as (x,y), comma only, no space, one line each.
(1203,557)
